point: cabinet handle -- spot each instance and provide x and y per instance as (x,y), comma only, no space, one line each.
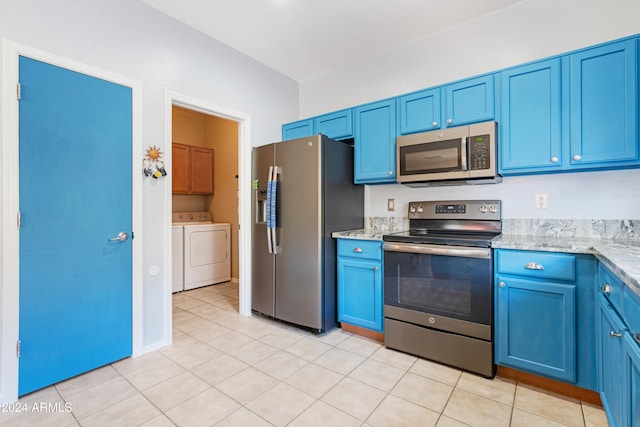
(390,172)
(606,288)
(357,250)
(434,124)
(376,268)
(533,266)
(449,121)
(554,159)
(577,157)
(501,284)
(638,337)
(614,335)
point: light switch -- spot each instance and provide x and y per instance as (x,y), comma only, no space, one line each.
(391,204)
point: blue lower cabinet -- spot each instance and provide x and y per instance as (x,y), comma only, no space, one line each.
(632,387)
(537,327)
(360,283)
(610,329)
(545,314)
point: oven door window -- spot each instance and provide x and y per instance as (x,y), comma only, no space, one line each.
(451,286)
(431,157)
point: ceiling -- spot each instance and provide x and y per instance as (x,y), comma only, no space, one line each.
(305,38)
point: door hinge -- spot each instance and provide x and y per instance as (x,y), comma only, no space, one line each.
(19,220)
(18,348)
(18,91)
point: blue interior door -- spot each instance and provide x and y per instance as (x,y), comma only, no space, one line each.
(75,195)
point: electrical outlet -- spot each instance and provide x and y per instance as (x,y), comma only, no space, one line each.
(541,200)
(391,204)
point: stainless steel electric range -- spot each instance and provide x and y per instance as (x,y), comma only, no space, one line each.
(438,283)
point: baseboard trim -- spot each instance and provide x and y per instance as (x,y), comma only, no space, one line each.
(553,386)
(367,333)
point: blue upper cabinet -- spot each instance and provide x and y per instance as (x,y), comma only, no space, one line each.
(338,125)
(419,111)
(375,143)
(530,124)
(604,105)
(299,129)
(469,101)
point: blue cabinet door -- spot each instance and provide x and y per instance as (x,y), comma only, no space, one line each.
(604,105)
(632,386)
(610,361)
(375,143)
(531,118)
(469,101)
(360,293)
(299,129)
(419,112)
(338,125)
(536,327)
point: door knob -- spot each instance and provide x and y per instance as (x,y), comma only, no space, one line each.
(121,237)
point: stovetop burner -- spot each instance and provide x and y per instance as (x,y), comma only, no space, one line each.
(473,223)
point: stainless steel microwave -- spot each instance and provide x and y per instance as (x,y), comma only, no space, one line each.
(459,155)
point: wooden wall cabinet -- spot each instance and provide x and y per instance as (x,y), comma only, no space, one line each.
(192,169)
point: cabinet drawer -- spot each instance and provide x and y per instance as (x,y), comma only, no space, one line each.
(537,264)
(611,287)
(363,249)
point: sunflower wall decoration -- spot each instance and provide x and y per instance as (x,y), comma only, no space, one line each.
(152,164)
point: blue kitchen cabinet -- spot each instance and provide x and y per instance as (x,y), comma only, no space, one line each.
(618,350)
(610,329)
(360,283)
(337,125)
(419,111)
(537,327)
(530,125)
(299,129)
(604,105)
(545,314)
(375,143)
(632,386)
(469,101)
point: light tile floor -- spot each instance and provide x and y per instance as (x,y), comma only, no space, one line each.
(224,369)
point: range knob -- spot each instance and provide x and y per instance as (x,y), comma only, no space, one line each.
(493,209)
(420,209)
(483,209)
(412,209)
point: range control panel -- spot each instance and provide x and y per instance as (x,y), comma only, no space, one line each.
(456,209)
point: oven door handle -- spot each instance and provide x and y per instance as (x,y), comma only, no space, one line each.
(459,251)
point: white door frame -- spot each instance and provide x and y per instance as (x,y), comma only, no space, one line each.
(244,196)
(10,196)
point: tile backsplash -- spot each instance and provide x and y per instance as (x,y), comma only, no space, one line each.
(624,229)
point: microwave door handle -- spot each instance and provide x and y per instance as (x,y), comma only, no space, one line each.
(463,154)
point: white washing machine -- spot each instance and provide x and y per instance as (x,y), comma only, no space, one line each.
(206,251)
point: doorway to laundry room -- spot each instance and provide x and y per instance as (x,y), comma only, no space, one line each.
(205,182)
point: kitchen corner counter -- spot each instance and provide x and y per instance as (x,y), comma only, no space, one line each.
(360,234)
(622,257)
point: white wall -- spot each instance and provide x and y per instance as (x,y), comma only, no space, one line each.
(129,38)
(526,31)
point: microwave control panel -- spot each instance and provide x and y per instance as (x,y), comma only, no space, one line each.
(479,152)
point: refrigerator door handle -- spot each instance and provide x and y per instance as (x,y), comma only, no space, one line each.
(274,209)
(269,209)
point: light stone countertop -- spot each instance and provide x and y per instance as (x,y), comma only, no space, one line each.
(622,257)
(360,234)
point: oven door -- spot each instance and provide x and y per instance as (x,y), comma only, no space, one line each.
(442,287)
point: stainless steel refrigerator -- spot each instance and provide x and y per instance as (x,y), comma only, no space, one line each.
(303,191)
